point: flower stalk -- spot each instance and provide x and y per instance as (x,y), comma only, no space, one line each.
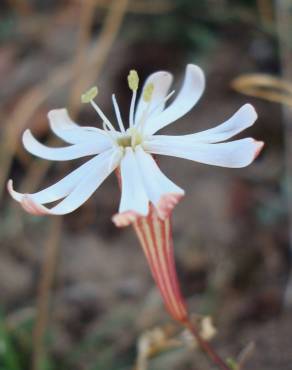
(205,346)
(155,236)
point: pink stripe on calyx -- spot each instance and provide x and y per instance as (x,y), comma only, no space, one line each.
(156,239)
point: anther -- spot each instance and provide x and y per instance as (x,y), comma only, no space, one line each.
(89,95)
(133,80)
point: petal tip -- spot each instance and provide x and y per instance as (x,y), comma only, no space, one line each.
(259,147)
(124,219)
(32,207)
(52,112)
(196,70)
(57,116)
(16,196)
(167,203)
(26,202)
(9,187)
(27,137)
(251,110)
(26,133)
(195,67)
(9,184)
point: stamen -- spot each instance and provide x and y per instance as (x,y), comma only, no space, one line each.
(118,114)
(133,81)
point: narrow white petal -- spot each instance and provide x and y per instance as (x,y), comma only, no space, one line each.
(191,91)
(69,131)
(90,147)
(62,125)
(242,119)
(161,81)
(77,191)
(238,153)
(162,192)
(59,190)
(133,197)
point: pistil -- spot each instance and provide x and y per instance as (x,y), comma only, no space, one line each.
(132,139)
(133,82)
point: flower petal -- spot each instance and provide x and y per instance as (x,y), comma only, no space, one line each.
(161,81)
(60,189)
(69,131)
(81,187)
(192,89)
(242,119)
(82,149)
(62,125)
(134,201)
(237,153)
(162,192)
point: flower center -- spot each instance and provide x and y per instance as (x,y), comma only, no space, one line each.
(131,139)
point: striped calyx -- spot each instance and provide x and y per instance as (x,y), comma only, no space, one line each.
(155,236)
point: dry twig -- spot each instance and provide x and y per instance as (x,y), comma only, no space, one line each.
(45,286)
(264,86)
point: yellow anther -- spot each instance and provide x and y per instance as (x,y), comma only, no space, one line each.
(89,95)
(133,80)
(148,91)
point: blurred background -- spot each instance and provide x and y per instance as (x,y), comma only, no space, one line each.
(75,292)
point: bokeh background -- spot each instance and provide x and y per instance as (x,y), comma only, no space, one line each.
(75,292)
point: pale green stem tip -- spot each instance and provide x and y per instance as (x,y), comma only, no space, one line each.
(89,95)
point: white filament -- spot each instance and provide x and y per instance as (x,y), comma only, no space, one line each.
(102,115)
(118,114)
(132,107)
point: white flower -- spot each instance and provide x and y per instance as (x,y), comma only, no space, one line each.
(130,149)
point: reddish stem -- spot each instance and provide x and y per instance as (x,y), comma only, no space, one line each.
(206,347)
